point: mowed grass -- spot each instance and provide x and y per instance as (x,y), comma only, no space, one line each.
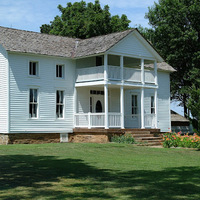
(98,171)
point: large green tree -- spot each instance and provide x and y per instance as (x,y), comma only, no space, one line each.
(177,37)
(83,20)
(194,97)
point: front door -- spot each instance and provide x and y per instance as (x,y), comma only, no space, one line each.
(132,117)
(97,102)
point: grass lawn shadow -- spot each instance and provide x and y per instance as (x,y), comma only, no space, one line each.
(48,177)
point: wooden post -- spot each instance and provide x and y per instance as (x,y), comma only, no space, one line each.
(156,107)
(155,73)
(106,105)
(122,106)
(142,108)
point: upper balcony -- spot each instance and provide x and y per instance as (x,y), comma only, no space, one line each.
(119,68)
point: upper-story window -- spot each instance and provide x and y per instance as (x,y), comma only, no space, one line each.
(33,68)
(33,103)
(59,71)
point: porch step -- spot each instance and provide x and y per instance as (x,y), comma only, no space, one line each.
(137,132)
(148,140)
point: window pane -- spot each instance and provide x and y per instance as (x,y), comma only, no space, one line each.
(31,95)
(61,97)
(61,111)
(60,71)
(35,95)
(56,70)
(34,110)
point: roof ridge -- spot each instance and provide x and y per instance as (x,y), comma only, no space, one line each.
(128,30)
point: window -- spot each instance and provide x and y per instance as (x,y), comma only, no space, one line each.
(60,71)
(134,105)
(33,68)
(59,104)
(97,92)
(152,105)
(33,103)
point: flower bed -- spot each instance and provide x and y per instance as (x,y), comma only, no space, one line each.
(178,140)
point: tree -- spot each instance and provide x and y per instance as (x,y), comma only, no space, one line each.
(177,37)
(194,98)
(83,20)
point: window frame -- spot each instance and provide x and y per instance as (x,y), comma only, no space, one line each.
(33,103)
(63,71)
(36,69)
(60,104)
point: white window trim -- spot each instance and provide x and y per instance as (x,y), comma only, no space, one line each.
(63,71)
(59,89)
(37,69)
(33,118)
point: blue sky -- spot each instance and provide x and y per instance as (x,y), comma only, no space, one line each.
(31,14)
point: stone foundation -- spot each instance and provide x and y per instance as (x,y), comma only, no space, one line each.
(88,138)
(29,138)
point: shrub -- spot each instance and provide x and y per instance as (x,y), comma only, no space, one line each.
(176,140)
(126,139)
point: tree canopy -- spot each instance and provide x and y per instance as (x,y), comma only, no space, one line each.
(177,37)
(83,20)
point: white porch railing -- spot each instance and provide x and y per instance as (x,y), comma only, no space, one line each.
(132,74)
(90,120)
(149,76)
(90,74)
(149,120)
(114,119)
(114,73)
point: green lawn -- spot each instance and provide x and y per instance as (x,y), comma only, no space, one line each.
(98,171)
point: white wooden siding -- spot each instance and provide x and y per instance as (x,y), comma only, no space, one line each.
(3,90)
(114,100)
(83,94)
(164,121)
(131,45)
(47,84)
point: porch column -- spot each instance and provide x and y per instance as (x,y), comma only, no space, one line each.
(142,107)
(122,68)
(105,67)
(155,73)
(122,106)
(156,107)
(106,105)
(142,71)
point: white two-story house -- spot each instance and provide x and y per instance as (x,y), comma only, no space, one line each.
(52,84)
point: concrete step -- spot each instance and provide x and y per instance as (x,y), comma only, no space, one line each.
(150,144)
(137,132)
(151,138)
(141,135)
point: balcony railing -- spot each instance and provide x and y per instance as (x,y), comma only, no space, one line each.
(114,73)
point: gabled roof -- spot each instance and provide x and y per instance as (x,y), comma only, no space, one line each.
(176,117)
(15,40)
(31,42)
(37,43)
(99,44)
